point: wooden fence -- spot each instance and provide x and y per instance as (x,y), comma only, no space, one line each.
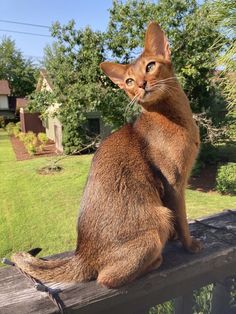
(179,275)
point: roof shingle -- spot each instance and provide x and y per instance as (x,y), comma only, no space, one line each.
(4,88)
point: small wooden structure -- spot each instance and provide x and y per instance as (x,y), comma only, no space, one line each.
(30,122)
(176,279)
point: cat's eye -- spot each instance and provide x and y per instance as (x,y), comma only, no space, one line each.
(129,81)
(150,66)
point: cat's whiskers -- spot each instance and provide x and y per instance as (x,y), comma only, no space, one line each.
(130,104)
(163,88)
(158,84)
(168,80)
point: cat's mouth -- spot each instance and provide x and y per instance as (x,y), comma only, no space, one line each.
(146,95)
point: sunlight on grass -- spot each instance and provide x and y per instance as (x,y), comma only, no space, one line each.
(41,211)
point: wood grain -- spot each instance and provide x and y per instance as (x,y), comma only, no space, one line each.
(180,273)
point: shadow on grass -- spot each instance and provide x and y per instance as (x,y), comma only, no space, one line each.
(205,181)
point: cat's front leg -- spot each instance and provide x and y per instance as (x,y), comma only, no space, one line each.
(176,202)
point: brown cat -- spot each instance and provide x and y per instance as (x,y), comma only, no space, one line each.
(134,197)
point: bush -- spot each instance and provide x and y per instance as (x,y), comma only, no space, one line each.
(31,148)
(42,137)
(9,128)
(30,141)
(21,136)
(16,131)
(2,122)
(226,179)
(208,154)
(30,137)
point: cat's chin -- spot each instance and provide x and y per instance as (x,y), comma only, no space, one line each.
(149,98)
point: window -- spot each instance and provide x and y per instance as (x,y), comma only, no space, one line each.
(93,126)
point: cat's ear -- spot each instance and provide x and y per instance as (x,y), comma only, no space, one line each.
(115,71)
(156,41)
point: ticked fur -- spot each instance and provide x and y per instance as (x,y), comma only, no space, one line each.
(134,197)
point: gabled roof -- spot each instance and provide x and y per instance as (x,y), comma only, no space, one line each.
(44,76)
(21,103)
(4,88)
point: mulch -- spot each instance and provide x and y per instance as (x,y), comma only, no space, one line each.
(205,181)
(22,154)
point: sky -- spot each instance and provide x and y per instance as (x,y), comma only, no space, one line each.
(85,12)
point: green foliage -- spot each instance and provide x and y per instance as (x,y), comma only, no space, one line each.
(72,63)
(31,148)
(42,137)
(223,14)
(16,129)
(39,101)
(21,136)
(208,154)
(191,34)
(30,137)
(198,166)
(20,72)
(2,122)
(10,128)
(30,142)
(203,298)
(226,179)
(79,86)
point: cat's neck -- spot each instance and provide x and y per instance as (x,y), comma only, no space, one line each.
(175,107)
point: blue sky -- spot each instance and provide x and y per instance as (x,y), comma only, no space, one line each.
(45,12)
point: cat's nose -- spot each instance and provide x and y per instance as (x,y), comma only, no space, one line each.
(142,84)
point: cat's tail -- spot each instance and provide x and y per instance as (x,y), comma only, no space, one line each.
(59,270)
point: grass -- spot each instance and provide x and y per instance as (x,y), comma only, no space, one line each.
(41,211)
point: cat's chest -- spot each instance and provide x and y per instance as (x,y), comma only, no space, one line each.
(172,149)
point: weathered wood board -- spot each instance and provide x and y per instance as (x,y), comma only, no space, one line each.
(180,273)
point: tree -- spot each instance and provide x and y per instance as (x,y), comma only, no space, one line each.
(191,37)
(20,72)
(72,63)
(223,14)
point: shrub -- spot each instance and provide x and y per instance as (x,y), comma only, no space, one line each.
(16,131)
(198,166)
(30,142)
(208,154)
(226,178)
(9,128)
(42,137)
(21,136)
(18,125)
(31,148)
(2,122)
(30,137)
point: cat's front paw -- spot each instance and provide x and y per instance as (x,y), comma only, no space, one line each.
(195,246)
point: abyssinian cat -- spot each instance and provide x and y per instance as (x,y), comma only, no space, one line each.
(133,201)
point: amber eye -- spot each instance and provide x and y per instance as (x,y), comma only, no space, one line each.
(129,81)
(150,66)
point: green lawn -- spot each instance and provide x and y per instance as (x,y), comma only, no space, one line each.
(38,210)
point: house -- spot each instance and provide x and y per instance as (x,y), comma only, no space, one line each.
(54,128)
(10,105)
(4,93)
(7,109)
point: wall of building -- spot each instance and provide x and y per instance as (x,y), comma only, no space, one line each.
(54,131)
(3,102)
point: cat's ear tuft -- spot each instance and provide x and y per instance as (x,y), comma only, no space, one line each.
(156,41)
(115,71)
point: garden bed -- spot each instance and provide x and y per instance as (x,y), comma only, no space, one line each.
(22,154)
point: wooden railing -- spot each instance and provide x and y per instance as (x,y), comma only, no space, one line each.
(176,279)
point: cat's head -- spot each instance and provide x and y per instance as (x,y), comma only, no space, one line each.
(147,79)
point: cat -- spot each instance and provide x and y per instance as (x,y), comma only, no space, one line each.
(133,200)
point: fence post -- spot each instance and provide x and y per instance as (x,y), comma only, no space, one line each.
(184,304)
(221,297)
